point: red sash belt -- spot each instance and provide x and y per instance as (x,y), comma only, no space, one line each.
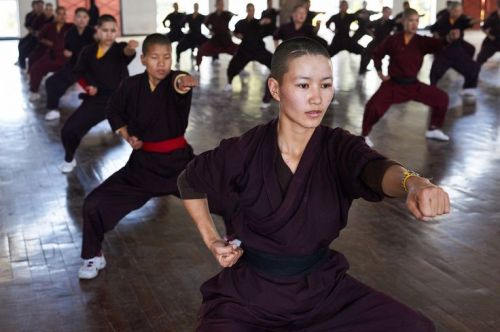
(165,146)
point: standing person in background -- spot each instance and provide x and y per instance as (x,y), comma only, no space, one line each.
(93,14)
(221,41)
(269,19)
(399,17)
(176,23)
(103,65)
(342,39)
(297,27)
(363,16)
(52,37)
(406,51)
(458,55)
(79,36)
(28,43)
(194,38)
(379,30)
(491,43)
(311,15)
(251,48)
(445,12)
(38,24)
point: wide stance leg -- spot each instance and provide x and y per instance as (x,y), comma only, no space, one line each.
(378,104)
(106,206)
(435,98)
(56,86)
(91,112)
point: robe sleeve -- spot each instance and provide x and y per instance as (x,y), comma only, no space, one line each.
(329,22)
(380,52)
(350,157)
(44,32)
(116,108)
(278,34)
(432,45)
(182,100)
(216,172)
(488,23)
(125,58)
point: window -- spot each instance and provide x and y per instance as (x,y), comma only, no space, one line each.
(9,19)
(165,7)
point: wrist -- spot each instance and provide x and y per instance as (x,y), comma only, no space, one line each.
(416,181)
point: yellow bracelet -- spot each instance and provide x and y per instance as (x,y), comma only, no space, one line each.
(406,175)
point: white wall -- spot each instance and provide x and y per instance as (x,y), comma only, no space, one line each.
(139,17)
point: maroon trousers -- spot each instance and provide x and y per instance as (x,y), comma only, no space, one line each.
(210,49)
(393,93)
(357,308)
(41,68)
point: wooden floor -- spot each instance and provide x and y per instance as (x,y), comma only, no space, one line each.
(448,268)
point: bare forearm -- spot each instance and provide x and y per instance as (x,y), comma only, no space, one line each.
(199,212)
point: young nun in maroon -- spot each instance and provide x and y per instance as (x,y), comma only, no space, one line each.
(150,111)
(221,42)
(406,51)
(79,36)
(103,65)
(52,37)
(284,190)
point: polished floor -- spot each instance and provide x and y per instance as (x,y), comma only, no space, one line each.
(448,268)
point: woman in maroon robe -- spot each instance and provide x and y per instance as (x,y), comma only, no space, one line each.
(284,190)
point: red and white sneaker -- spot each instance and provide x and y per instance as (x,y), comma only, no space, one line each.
(91,267)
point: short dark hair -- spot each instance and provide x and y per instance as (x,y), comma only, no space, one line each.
(59,8)
(292,49)
(154,39)
(105,18)
(81,10)
(297,7)
(409,12)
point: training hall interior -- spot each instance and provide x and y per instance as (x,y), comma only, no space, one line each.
(447,268)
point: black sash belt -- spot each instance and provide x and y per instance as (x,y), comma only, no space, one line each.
(282,265)
(404,80)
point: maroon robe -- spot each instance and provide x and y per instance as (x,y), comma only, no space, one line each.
(404,64)
(241,183)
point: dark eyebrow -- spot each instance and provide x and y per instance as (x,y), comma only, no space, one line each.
(308,78)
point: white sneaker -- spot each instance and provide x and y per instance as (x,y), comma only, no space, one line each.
(437,134)
(368,141)
(34,96)
(91,267)
(470,92)
(52,115)
(67,167)
(228,88)
(265,106)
